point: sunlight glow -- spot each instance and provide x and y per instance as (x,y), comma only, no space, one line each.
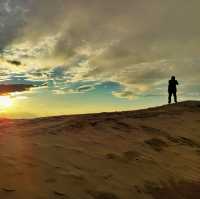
(5,102)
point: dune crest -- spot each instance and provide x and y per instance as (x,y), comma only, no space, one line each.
(145,154)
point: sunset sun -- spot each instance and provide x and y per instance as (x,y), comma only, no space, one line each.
(5,102)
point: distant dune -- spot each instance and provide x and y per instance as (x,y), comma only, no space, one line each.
(145,154)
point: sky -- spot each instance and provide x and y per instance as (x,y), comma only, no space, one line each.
(84,56)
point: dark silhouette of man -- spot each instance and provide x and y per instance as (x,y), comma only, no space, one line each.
(172,89)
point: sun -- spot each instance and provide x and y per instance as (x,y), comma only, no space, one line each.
(5,102)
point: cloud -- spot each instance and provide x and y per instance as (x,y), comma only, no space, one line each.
(14,62)
(124,94)
(75,89)
(136,43)
(11,88)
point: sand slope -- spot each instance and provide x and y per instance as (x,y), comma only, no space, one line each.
(151,154)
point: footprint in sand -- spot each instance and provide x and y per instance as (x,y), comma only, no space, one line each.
(173,190)
(184,141)
(60,194)
(129,156)
(8,190)
(156,144)
(107,176)
(125,157)
(138,189)
(112,156)
(102,195)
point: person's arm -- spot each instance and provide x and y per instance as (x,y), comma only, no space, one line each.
(176,82)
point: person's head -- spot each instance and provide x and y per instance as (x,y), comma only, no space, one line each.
(173,78)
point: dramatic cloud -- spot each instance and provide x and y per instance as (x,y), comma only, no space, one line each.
(136,43)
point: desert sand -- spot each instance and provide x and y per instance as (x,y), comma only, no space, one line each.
(145,154)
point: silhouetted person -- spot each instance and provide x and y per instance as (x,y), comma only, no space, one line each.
(172,89)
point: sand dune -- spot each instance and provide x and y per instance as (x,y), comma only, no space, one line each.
(146,154)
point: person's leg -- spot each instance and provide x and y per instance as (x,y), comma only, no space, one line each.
(175,97)
(169,98)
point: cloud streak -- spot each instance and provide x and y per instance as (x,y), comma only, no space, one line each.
(11,88)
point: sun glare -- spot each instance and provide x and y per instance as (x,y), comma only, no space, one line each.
(5,102)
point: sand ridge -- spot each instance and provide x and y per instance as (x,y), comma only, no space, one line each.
(145,154)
